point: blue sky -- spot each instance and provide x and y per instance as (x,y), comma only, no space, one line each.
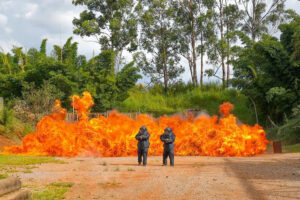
(26,22)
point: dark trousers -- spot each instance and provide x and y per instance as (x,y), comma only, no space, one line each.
(168,153)
(142,152)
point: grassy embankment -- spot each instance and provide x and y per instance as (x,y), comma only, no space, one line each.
(208,99)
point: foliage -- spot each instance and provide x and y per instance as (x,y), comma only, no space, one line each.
(59,76)
(159,39)
(267,72)
(12,127)
(157,103)
(259,14)
(295,148)
(31,107)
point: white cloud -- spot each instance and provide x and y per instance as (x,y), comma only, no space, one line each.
(31,10)
(7,30)
(3,20)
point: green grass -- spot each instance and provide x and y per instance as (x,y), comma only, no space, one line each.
(207,99)
(27,160)
(130,170)
(295,148)
(3,176)
(54,191)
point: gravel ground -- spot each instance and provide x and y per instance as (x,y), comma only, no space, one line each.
(268,176)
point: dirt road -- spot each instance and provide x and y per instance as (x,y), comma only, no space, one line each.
(268,176)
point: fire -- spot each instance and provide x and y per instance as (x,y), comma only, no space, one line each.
(114,135)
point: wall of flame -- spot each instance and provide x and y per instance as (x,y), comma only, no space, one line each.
(115,135)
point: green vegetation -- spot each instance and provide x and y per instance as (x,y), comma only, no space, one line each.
(27,160)
(53,191)
(207,99)
(3,176)
(11,126)
(295,148)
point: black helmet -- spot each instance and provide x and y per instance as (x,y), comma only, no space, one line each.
(143,129)
(168,130)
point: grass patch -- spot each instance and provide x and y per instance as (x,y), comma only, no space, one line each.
(130,170)
(3,176)
(295,148)
(27,160)
(105,170)
(104,163)
(53,191)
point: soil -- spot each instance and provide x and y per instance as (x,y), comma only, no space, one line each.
(267,176)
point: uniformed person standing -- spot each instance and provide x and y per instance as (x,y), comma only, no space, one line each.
(168,138)
(143,145)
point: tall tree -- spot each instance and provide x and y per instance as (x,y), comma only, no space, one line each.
(217,52)
(258,14)
(112,23)
(232,20)
(191,19)
(160,41)
(206,33)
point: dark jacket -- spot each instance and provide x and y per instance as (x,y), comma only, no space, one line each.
(170,143)
(144,142)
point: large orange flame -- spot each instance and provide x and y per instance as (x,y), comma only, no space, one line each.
(114,135)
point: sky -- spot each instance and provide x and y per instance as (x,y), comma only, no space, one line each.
(27,22)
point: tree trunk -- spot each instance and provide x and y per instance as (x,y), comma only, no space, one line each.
(165,71)
(202,64)
(165,78)
(191,67)
(228,69)
(118,58)
(222,50)
(194,78)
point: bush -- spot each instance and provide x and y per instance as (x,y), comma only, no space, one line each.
(12,127)
(207,98)
(288,133)
(36,102)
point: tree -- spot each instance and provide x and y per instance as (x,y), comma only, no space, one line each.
(259,14)
(43,50)
(268,72)
(160,41)
(192,19)
(5,63)
(232,20)
(227,18)
(126,80)
(112,23)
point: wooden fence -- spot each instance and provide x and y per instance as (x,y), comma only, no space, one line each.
(74,117)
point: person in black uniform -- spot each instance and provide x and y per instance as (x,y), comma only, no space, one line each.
(143,145)
(168,138)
